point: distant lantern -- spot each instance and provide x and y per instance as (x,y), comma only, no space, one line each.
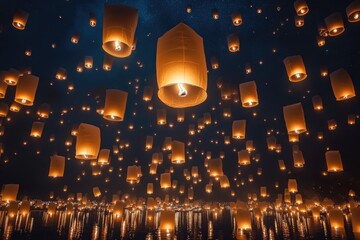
(207,118)
(182,83)
(336,217)
(44,110)
(188,9)
(88,62)
(37,129)
(282,165)
(153,166)
(61,74)
(208,188)
(322,30)
(19,20)
(115,105)
(233,42)
(9,192)
(292,185)
(243,157)
(177,152)
(263,192)
(87,142)
(248,94)
(215,14)
(271,142)
(26,90)
(320,41)
(215,167)
(3,86)
(342,85)
(301,7)
(96,192)
(335,24)
(132,174)
(294,118)
(243,219)
(180,115)
(332,125)
(149,143)
(353,11)
(299,21)
(4,108)
(248,69)
(317,103)
(237,19)
(298,158)
(148,92)
(161,116)
(224,181)
(214,63)
(104,157)
(165,180)
(119,28)
(351,119)
(57,166)
(75,38)
(108,61)
(355,221)
(333,161)
(11,77)
(295,68)
(92,20)
(238,129)
(167,220)
(249,145)
(150,188)
(323,71)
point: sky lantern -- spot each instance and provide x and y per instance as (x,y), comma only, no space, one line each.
(215,167)
(115,105)
(92,20)
(263,192)
(3,86)
(294,118)
(233,42)
(336,218)
(271,142)
(132,175)
(75,38)
(333,161)
(243,157)
(295,68)
(20,19)
(87,142)
(224,182)
(248,94)
(108,61)
(214,63)
(37,129)
(292,185)
(43,111)
(9,192)
(161,116)
(236,19)
(119,26)
(13,209)
(148,92)
(149,143)
(150,188)
(167,220)
(26,90)
(11,77)
(177,152)
(57,166)
(181,68)
(96,192)
(299,21)
(165,180)
(104,157)
(88,62)
(4,108)
(61,73)
(353,11)
(298,158)
(180,115)
(301,7)
(355,220)
(317,103)
(342,85)
(238,129)
(243,219)
(334,24)
(282,165)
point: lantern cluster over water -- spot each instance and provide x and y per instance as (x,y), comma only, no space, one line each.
(153,115)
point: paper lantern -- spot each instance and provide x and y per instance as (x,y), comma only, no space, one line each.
(353,11)
(320,41)
(271,142)
(57,166)
(119,26)
(167,220)
(282,165)
(37,129)
(11,77)
(9,192)
(334,24)
(233,43)
(298,159)
(87,142)
(61,74)
(292,185)
(333,161)
(181,68)
(3,85)
(26,90)
(238,129)
(243,219)
(108,61)
(115,105)
(177,152)
(4,108)
(336,218)
(317,103)
(88,63)
(165,180)
(294,118)
(322,30)
(215,14)
(180,115)
(92,20)
(248,94)
(293,137)
(351,119)
(75,38)
(237,19)
(148,143)
(104,157)
(24,207)
(132,175)
(295,68)
(299,21)
(161,116)
(215,167)
(263,192)
(148,92)
(301,7)
(96,192)
(332,125)
(13,209)
(150,188)
(355,220)
(20,19)
(208,188)
(243,157)
(214,63)
(224,181)
(342,85)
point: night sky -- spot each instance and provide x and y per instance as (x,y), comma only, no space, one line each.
(265,38)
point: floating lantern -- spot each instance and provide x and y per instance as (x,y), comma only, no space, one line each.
(282,165)
(233,43)
(87,142)
(62,73)
(271,142)
(9,192)
(243,157)
(355,220)
(161,116)
(167,221)
(96,192)
(104,157)
(336,219)
(353,11)
(57,166)
(333,161)
(248,94)
(215,167)
(4,108)
(180,115)
(177,152)
(263,192)
(237,19)
(243,219)
(238,129)
(294,118)
(26,90)
(11,77)
(292,185)
(224,181)
(334,24)
(295,68)
(342,85)
(150,188)
(214,63)
(320,41)
(37,129)
(317,103)
(298,159)
(75,38)
(301,7)
(165,180)
(299,21)
(88,63)
(115,105)
(148,92)
(19,20)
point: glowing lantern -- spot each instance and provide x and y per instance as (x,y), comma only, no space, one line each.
(317,103)
(161,116)
(57,166)
(243,219)
(298,199)
(233,43)
(87,142)
(26,90)
(351,119)
(237,19)
(295,68)
(207,118)
(92,20)
(335,24)
(238,129)
(323,71)
(132,175)
(182,82)
(299,21)
(301,7)
(96,192)
(298,159)
(243,157)
(294,118)
(9,192)
(37,129)
(13,209)
(75,38)
(119,28)
(282,165)
(180,115)
(62,74)
(271,142)
(24,208)
(149,142)
(167,220)
(11,77)
(19,20)
(355,220)
(263,192)
(332,125)
(320,41)
(153,168)
(4,108)
(104,157)
(215,14)
(108,61)
(148,92)
(214,63)
(165,180)
(224,181)
(208,188)
(333,161)
(177,152)
(336,219)
(215,167)
(353,12)
(293,137)
(150,188)
(248,94)
(342,85)
(115,105)
(88,63)
(292,186)
(3,85)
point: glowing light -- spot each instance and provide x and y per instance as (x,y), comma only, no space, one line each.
(182,91)
(117,46)
(23,100)
(356,16)
(297,75)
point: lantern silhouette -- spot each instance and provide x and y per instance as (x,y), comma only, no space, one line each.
(233,43)
(88,63)
(336,218)
(115,105)
(26,90)
(248,94)
(181,68)
(332,125)
(299,21)
(148,92)
(298,159)
(87,142)
(292,185)
(293,137)
(57,166)
(317,103)
(215,167)
(150,188)
(11,77)
(282,166)
(13,209)
(301,7)
(104,157)
(243,219)
(294,118)
(342,85)
(20,19)
(153,168)
(119,28)
(167,220)
(177,152)
(208,188)
(334,24)
(243,157)
(37,129)
(353,12)
(214,63)
(165,180)
(333,161)
(323,71)
(9,192)
(161,116)
(237,19)
(238,129)
(295,68)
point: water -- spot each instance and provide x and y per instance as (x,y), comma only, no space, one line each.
(136,224)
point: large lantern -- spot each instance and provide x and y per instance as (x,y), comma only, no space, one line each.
(342,85)
(353,11)
(301,7)
(295,68)
(333,161)
(20,19)
(57,166)
(335,24)
(181,68)
(11,77)
(9,192)
(294,118)
(119,28)
(238,129)
(115,105)
(87,142)
(177,152)
(167,220)
(248,94)
(26,90)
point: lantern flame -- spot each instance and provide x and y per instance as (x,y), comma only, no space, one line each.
(182,90)
(117,46)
